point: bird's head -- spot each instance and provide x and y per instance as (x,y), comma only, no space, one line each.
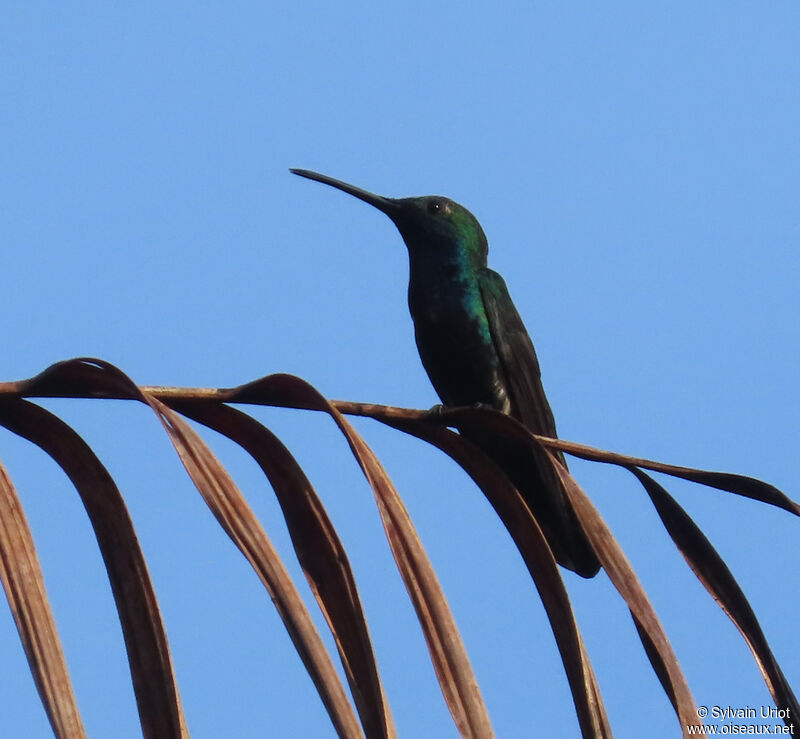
(432,225)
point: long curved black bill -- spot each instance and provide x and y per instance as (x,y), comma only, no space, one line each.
(385,205)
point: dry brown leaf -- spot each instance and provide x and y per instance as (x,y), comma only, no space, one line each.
(240,523)
(533,547)
(91,378)
(747,487)
(621,574)
(319,552)
(449,656)
(154,683)
(24,586)
(101,379)
(712,571)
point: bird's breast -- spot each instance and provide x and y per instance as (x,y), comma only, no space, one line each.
(455,344)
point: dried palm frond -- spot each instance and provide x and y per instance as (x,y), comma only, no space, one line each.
(323,557)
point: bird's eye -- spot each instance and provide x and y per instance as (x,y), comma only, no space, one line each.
(434,207)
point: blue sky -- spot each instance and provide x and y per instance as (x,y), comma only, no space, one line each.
(636,169)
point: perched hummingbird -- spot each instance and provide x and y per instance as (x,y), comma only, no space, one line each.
(476,350)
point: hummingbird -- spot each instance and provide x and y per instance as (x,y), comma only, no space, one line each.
(477,352)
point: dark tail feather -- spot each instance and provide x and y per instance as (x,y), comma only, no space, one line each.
(533,475)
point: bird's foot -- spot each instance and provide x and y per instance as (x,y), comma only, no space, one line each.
(435,413)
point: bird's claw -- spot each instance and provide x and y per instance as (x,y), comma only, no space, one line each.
(435,413)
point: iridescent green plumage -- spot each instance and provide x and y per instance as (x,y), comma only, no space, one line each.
(476,350)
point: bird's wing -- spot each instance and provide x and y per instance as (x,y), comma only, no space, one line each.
(539,483)
(517,356)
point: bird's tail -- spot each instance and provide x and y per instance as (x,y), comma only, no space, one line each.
(533,475)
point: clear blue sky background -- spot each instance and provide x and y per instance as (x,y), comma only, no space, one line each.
(636,168)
